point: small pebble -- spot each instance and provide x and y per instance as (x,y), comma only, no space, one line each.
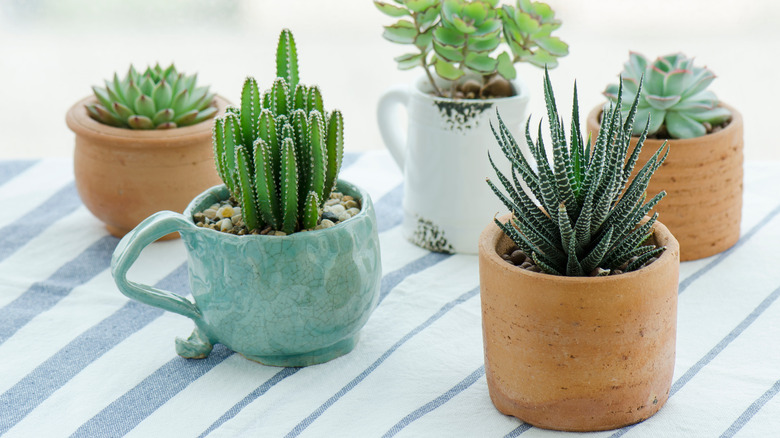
(353,211)
(337,209)
(331,201)
(199,217)
(350,204)
(330,216)
(535,268)
(215,206)
(344,216)
(225,224)
(526,265)
(518,257)
(210,213)
(327,223)
(336,195)
(225,211)
(347,198)
(279,233)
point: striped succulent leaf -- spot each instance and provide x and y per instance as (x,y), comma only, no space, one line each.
(584,213)
(280,152)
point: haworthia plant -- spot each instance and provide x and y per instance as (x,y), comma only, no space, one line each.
(675,95)
(589,212)
(280,153)
(155,99)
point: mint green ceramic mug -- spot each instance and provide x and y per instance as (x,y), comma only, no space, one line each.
(293,300)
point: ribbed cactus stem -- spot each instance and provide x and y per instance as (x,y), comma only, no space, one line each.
(245,172)
(334,148)
(289,187)
(287,59)
(250,111)
(310,213)
(265,185)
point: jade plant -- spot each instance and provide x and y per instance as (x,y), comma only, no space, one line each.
(461,37)
(589,217)
(675,96)
(279,154)
(155,99)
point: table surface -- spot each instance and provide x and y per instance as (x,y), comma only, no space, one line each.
(78,358)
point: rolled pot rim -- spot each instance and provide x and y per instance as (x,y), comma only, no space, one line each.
(365,207)
(79,121)
(491,235)
(734,124)
(422,87)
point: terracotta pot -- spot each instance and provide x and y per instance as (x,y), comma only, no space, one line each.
(703,182)
(578,353)
(125,175)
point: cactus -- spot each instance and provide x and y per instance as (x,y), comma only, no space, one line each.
(457,37)
(591,210)
(156,99)
(280,153)
(675,96)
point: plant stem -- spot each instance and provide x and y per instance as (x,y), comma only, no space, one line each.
(425,58)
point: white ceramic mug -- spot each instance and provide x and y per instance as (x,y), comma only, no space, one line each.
(444,158)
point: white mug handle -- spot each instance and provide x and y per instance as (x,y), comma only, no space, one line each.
(390,123)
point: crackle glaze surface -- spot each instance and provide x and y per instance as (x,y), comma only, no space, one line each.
(281,300)
(444,157)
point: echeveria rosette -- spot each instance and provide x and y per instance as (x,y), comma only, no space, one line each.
(154,99)
(674,95)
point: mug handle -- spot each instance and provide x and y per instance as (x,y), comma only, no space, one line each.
(389,122)
(127,252)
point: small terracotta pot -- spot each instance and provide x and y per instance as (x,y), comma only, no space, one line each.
(703,182)
(125,175)
(578,353)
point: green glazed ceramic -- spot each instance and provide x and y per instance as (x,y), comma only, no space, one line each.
(293,300)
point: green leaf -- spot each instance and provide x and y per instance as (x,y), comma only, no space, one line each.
(144,106)
(409,60)
(553,45)
(179,101)
(187,118)
(419,5)
(483,64)
(103,97)
(681,126)
(162,95)
(448,36)
(391,10)
(205,114)
(525,23)
(423,40)
(140,122)
(402,32)
(541,58)
(474,11)
(462,25)
(121,110)
(505,67)
(448,53)
(484,44)
(446,70)
(163,116)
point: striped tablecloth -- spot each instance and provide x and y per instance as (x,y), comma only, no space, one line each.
(77,358)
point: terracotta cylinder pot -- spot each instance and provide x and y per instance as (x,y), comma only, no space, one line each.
(125,175)
(578,353)
(703,182)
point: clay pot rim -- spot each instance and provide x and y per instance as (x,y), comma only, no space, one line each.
(366,207)
(736,122)
(422,87)
(490,236)
(79,121)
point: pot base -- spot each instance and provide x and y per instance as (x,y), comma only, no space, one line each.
(311,358)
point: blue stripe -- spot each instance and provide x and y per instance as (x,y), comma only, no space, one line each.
(519,430)
(43,295)
(437,402)
(751,411)
(715,351)
(262,389)
(389,281)
(389,211)
(54,373)
(121,416)
(354,382)
(16,234)
(10,169)
(722,256)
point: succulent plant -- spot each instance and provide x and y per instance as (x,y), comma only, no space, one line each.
(154,99)
(589,217)
(675,95)
(458,37)
(279,154)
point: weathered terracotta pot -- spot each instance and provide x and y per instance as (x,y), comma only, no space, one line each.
(578,353)
(125,175)
(703,182)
